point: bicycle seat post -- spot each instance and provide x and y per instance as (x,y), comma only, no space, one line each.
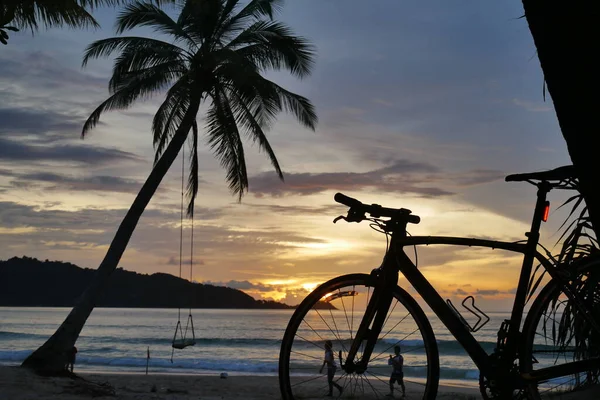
(533,237)
(540,209)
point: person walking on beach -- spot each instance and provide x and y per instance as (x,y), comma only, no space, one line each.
(397,363)
(71,359)
(329,360)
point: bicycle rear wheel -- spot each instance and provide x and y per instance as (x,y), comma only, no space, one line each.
(556,333)
(333,311)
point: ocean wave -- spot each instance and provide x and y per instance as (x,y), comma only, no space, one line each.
(18,356)
(20,335)
(445,347)
(199,341)
(181,364)
(14,355)
(239,366)
(146,340)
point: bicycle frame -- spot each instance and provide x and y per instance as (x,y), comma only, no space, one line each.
(396,260)
(448,316)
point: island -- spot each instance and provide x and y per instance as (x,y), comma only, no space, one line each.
(29,282)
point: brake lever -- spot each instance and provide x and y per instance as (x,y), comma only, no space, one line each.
(340,217)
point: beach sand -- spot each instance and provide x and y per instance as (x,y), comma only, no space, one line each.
(20,384)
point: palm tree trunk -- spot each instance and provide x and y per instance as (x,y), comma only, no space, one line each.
(51,357)
(566,35)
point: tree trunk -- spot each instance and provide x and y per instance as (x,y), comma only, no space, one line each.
(566,35)
(51,357)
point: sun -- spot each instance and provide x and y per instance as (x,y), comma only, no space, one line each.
(309,286)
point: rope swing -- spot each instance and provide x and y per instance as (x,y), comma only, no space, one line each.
(180,338)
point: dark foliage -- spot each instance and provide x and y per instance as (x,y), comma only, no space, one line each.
(30,282)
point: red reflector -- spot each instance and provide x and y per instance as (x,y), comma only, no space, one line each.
(546,211)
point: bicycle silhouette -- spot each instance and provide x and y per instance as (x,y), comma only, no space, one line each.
(555,353)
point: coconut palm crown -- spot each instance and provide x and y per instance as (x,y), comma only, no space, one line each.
(218,54)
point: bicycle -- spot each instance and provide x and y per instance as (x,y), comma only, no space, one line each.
(554,355)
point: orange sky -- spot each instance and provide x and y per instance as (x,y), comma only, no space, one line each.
(425,107)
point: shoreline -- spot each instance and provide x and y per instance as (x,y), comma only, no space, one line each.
(87,371)
(17,383)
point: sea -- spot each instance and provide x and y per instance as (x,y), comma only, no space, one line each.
(237,342)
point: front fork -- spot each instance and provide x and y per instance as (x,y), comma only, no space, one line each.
(374,318)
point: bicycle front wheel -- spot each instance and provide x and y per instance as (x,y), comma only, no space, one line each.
(334,311)
(557,334)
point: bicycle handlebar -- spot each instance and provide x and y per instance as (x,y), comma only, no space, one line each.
(375,210)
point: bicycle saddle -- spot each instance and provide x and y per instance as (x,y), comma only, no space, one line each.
(556,174)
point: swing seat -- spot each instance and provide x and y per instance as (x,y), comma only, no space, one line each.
(183,343)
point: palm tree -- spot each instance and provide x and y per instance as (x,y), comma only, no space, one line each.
(29,14)
(565,36)
(218,53)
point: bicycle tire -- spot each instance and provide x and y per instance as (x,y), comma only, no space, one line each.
(370,379)
(549,340)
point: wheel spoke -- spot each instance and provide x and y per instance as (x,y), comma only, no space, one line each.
(390,347)
(302,347)
(556,333)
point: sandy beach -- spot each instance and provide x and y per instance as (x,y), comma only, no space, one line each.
(20,384)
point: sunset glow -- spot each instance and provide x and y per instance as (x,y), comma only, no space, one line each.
(409,116)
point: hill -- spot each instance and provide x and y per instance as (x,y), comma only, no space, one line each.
(29,282)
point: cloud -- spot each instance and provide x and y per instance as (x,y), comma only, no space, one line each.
(487,292)
(531,106)
(14,215)
(246,285)
(477,177)
(84,154)
(68,183)
(398,176)
(295,210)
(184,261)
(18,122)
(41,69)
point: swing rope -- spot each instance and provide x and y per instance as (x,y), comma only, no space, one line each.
(183,342)
(181,226)
(190,320)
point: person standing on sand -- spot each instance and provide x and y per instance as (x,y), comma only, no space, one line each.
(71,359)
(397,363)
(329,360)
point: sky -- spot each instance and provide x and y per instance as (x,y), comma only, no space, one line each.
(421,105)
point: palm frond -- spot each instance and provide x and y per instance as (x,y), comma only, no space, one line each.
(570,327)
(139,84)
(248,119)
(232,24)
(264,96)
(227,8)
(272,45)
(170,114)
(131,64)
(299,106)
(256,9)
(92,4)
(225,141)
(146,81)
(141,14)
(31,14)
(192,184)
(578,239)
(200,20)
(573,330)
(248,84)
(105,47)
